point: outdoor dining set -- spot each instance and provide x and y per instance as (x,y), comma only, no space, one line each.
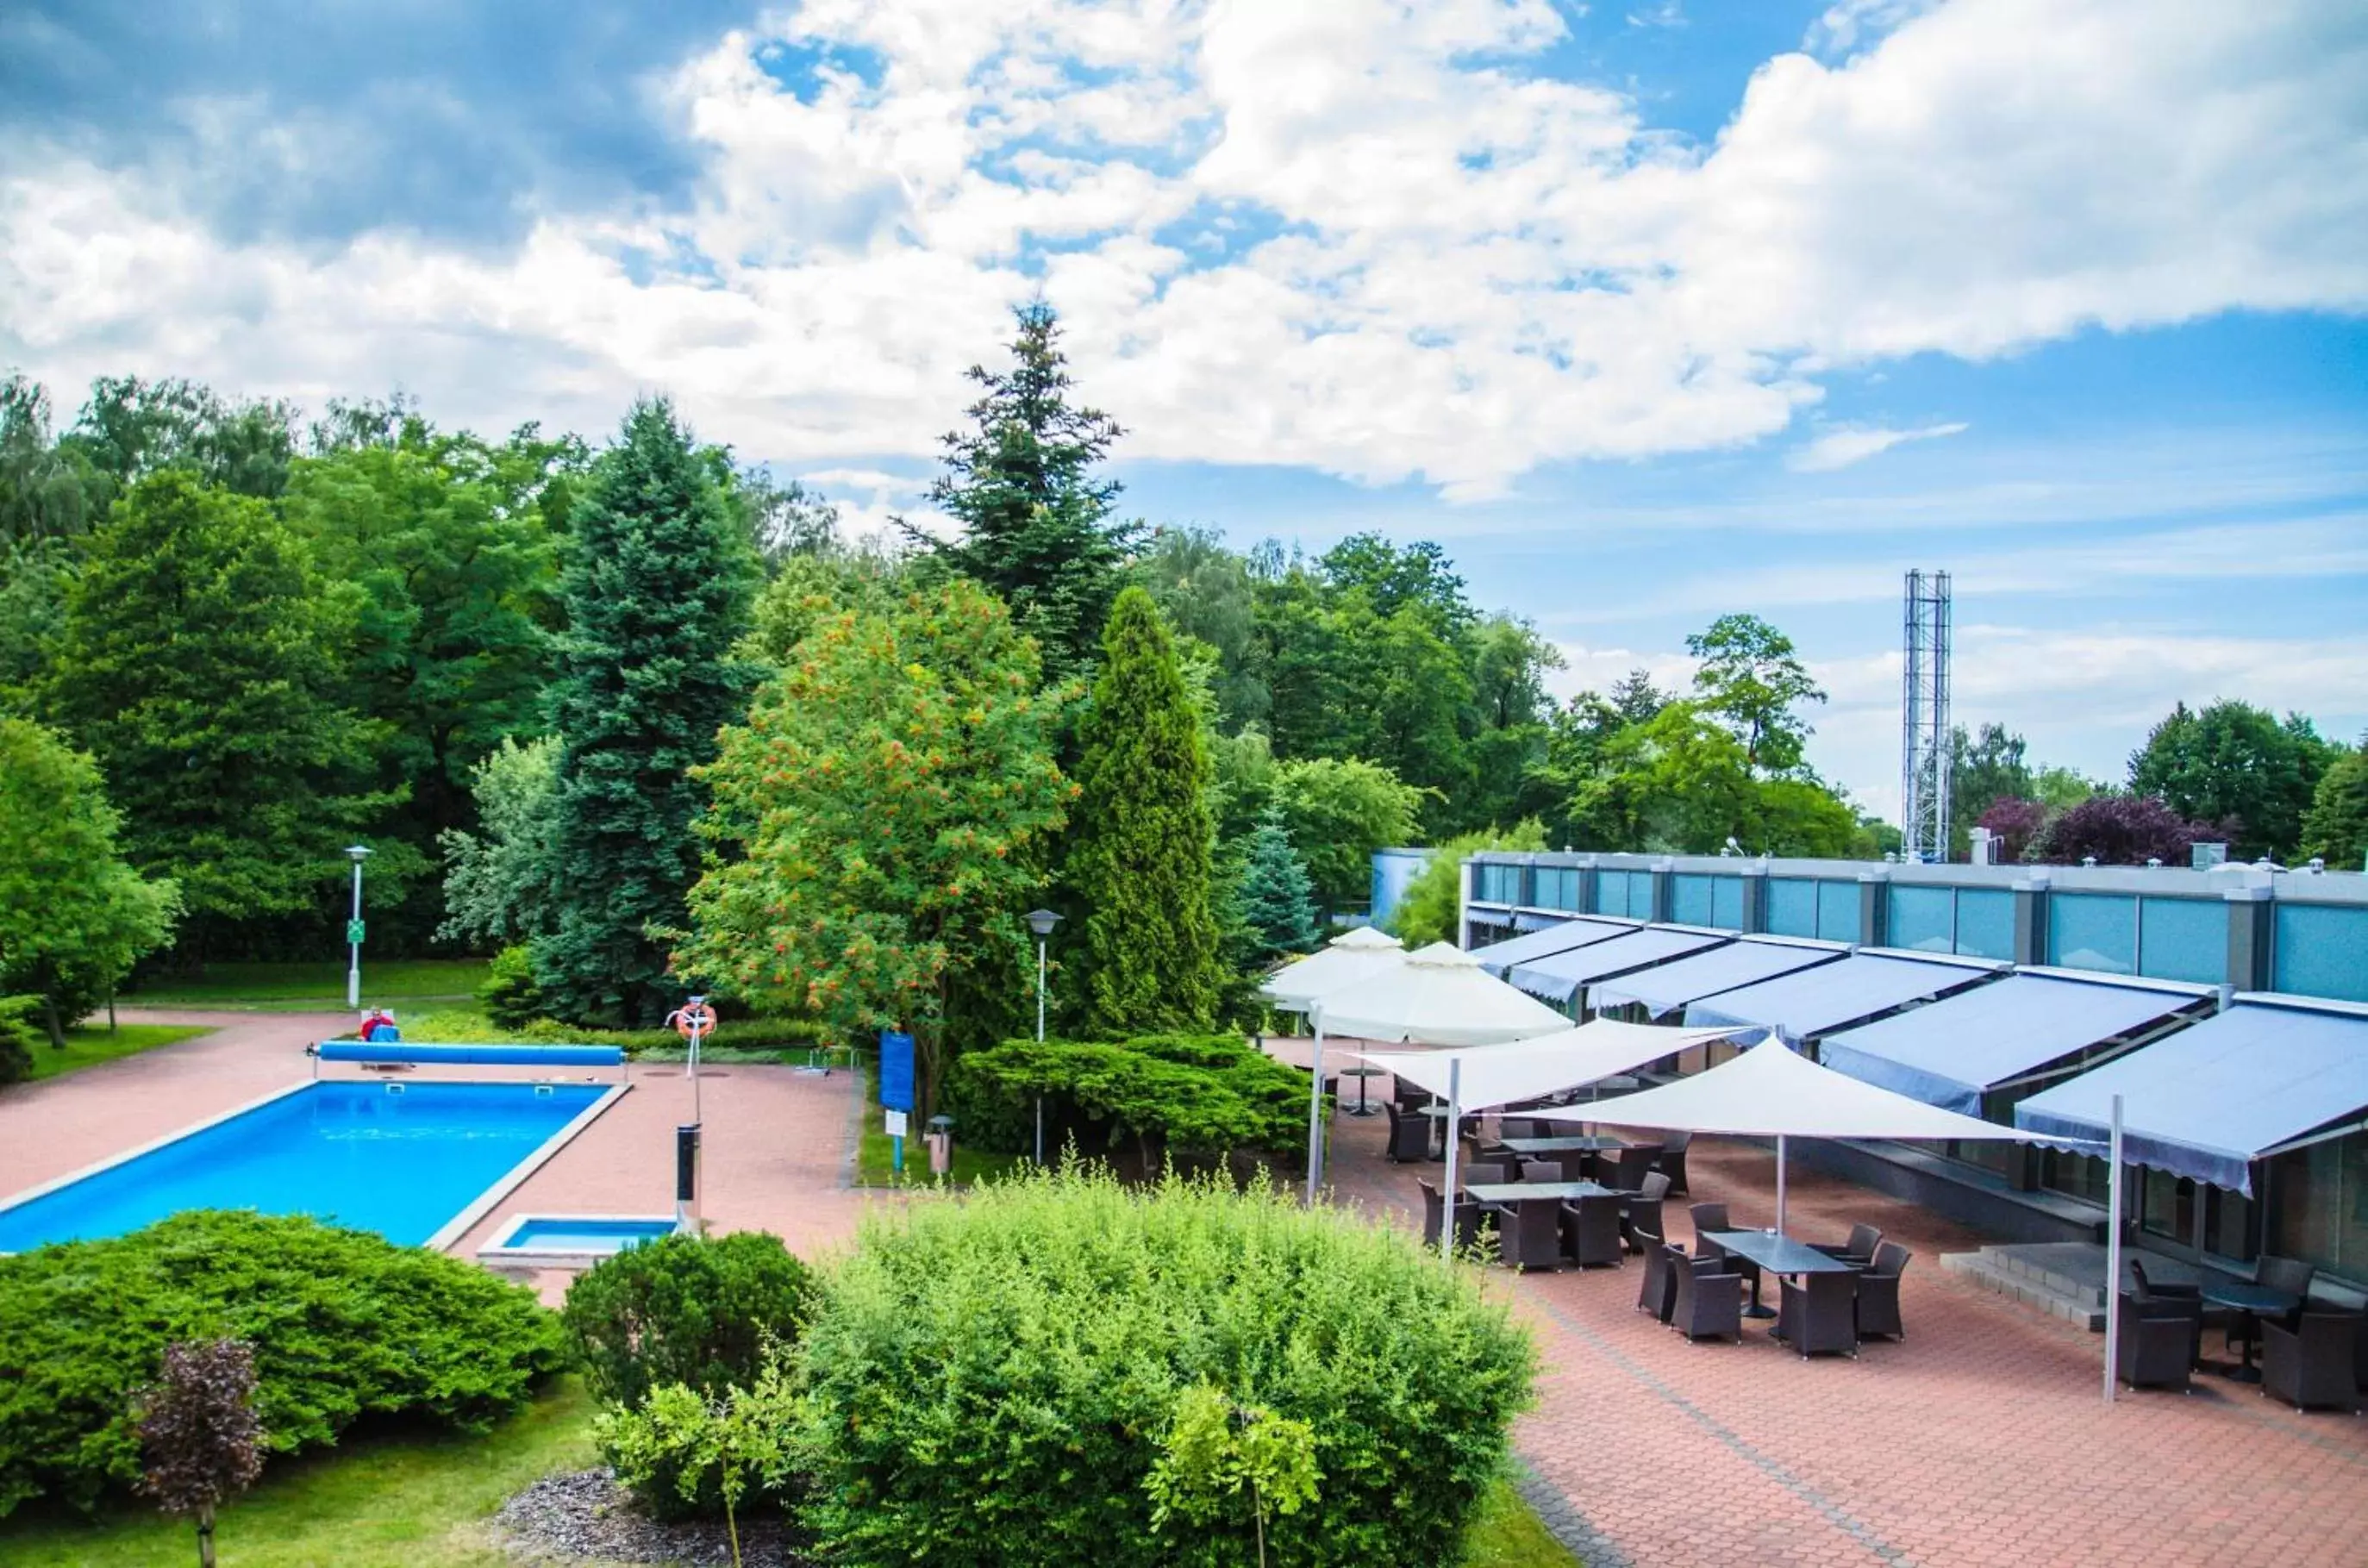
(2312,1355)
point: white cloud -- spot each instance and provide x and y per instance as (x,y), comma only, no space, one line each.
(1851,23)
(1455,269)
(1847,444)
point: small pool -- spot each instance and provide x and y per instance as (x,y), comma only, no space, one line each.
(571,1241)
(405,1159)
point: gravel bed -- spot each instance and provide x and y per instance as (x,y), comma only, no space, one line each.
(583,1513)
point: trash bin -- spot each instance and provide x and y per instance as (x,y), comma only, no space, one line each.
(940,1140)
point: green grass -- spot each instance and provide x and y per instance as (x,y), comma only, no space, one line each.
(413,1502)
(1507,1535)
(875,1156)
(312,987)
(425,1503)
(89,1047)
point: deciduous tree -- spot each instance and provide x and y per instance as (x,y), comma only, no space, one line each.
(2336,828)
(878,823)
(200,1439)
(1339,811)
(1752,679)
(2232,763)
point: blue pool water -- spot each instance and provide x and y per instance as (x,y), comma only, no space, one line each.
(554,1234)
(401,1164)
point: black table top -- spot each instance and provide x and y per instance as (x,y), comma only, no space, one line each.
(1514,1191)
(2249,1298)
(1573,1145)
(1780,1254)
(1364,1072)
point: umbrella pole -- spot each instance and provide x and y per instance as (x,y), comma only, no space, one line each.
(2114,1252)
(1447,1192)
(1779,1184)
(1316,1109)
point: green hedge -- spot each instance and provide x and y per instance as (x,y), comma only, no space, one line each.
(1194,1093)
(345,1325)
(997,1381)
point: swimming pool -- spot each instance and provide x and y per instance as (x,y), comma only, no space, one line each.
(405,1159)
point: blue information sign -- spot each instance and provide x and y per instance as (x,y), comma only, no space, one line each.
(896,1070)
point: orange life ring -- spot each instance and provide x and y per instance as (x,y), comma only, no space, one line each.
(698,1018)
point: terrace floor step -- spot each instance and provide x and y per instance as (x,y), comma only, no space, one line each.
(2032,1286)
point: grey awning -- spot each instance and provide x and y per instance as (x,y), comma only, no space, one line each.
(1559,977)
(1667,987)
(1812,1001)
(2266,1075)
(1953,1051)
(1498,958)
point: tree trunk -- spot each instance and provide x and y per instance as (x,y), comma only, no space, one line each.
(206,1537)
(50,1017)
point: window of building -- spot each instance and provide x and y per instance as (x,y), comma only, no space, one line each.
(2093,931)
(1628,894)
(2319,950)
(2319,1206)
(1924,919)
(2183,938)
(1557,888)
(1496,885)
(1838,911)
(1985,922)
(1689,900)
(1727,903)
(1792,906)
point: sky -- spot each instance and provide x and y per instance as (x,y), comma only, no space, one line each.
(1648,311)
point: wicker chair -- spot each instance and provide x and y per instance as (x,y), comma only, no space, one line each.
(2312,1365)
(1656,1294)
(1858,1249)
(1878,1292)
(1641,1214)
(1627,1168)
(1467,1218)
(1704,1299)
(1591,1231)
(2158,1341)
(1818,1316)
(1672,1163)
(1529,1232)
(1410,1134)
(1708,1217)
(1487,1172)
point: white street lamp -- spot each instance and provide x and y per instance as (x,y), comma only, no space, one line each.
(356,853)
(1042,922)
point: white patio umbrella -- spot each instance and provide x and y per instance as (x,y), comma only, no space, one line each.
(1770,1091)
(1439,995)
(1348,957)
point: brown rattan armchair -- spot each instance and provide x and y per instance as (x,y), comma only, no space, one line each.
(2158,1338)
(1705,1300)
(1410,1134)
(1529,1232)
(1819,1316)
(1642,1213)
(1591,1231)
(1708,1217)
(1878,1292)
(1672,1163)
(1467,1218)
(1858,1249)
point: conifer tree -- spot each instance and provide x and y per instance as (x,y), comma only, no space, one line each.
(656,583)
(1277,901)
(1035,519)
(1140,857)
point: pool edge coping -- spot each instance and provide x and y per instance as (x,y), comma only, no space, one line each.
(43,1190)
(460,1224)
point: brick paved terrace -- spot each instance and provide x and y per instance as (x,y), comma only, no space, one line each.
(1980,1439)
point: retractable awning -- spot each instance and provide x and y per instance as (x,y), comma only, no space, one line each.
(1498,958)
(1667,987)
(1960,1048)
(1529,920)
(1525,1070)
(1812,1000)
(2270,1073)
(1354,955)
(1560,976)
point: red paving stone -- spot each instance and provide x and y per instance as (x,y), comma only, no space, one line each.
(1982,1437)
(1979,1439)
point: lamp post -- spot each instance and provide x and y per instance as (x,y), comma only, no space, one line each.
(356,853)
(1042,922)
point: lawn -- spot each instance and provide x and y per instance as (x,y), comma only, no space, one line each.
(89,1047)
(875,1156)
(311,987)
(425,1503)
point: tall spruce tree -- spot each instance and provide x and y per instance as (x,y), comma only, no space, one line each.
(1036,523)
(1139,857)
(1277,901)
(656,583)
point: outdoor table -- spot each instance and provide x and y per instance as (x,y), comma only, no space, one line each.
(1514,1191)
(2251,1300)
(1361,1073)
(1571,1145)
(1777,1254)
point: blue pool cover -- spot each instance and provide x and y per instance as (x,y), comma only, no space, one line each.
(403,1164)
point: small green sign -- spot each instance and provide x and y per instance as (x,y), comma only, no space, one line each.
(354,932)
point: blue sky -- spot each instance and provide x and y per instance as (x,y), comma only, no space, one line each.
(1648,311)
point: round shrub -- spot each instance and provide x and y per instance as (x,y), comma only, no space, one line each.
(999,1381)
(345,1325)
(687,1310)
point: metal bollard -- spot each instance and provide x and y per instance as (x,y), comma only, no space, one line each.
(940,1140)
